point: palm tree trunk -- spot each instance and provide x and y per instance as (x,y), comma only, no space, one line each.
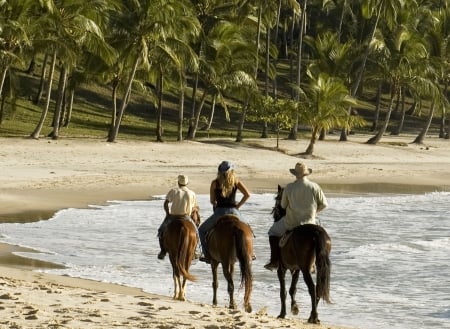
(294,130)
(275,61)
(181,109)
(38,97)
(265,133)
(421,137)
(159,117)
(59,102)
(442,121)
(194,123)
(2,79)
(211,116)
(194,95)
(239,137)
(35,134)
(69,108)
(115,131)
(2,107)
(310,149)
(376,115)
(355,88)
(399,128)
(115,85)
(375,139)
(341,20)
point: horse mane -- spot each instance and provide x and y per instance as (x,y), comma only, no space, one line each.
(277,211)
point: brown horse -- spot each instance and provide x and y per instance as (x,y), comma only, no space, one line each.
(180,241)
(300,249)
(231,239)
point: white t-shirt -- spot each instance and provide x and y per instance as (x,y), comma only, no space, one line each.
(182,200)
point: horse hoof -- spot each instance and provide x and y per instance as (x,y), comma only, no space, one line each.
(294,310)
(314,321)
(248,309)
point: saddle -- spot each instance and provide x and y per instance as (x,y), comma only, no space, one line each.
(208,233)
(284,238)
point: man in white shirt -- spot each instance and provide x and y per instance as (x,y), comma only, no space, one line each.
(183,201)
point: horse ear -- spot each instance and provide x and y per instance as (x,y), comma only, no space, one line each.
(279,188)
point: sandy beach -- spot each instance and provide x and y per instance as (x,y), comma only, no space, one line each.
(39,177)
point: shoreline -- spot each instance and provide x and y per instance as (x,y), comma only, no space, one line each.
(42,177)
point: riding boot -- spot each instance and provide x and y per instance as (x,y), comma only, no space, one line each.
(274,253)
(163,252)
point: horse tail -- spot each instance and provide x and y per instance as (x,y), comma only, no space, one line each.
(244,258)
(323,265)
(183,254)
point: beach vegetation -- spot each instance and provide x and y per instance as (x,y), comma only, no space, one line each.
(175,70)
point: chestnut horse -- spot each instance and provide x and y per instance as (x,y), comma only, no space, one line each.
(180,240)
(231,239)
(300,249)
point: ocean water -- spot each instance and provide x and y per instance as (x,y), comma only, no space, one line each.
(390,256)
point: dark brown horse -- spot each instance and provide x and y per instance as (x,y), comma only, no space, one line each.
(300,249)
(229,240)
(180,241)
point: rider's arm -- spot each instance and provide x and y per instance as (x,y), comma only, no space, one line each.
(166,207)
(245,194)
(212,194)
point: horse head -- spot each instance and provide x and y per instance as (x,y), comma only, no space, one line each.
(278,211)
(195,216)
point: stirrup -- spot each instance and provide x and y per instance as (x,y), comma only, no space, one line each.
(271,266)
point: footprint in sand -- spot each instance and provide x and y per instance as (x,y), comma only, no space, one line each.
(6,296)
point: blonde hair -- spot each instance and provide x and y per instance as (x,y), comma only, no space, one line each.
(226,182)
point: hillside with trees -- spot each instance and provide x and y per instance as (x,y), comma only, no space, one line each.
(179,69)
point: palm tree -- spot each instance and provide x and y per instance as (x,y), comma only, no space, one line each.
(323,105)
(14,34)
(403,52)
(143,26)
(435,26)
(65,29)
(384,11)
(225,65)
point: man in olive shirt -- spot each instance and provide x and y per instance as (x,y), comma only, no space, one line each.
(302,199)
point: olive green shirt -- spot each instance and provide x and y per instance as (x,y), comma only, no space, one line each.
(302,200)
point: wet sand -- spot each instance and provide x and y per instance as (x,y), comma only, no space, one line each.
(41,177)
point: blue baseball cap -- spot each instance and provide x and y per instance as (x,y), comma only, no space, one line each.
(225,166)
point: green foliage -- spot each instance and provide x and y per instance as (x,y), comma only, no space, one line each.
(279,112)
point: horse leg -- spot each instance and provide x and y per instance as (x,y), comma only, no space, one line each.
(281,273)
(215,283)
(228,269)
(175,276)
(182,294)
(293,291)
(314,317)
(175,285)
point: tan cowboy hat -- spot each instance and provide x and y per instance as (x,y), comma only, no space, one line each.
(183,180)
(300,170)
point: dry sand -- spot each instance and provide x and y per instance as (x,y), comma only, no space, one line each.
(39,177)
